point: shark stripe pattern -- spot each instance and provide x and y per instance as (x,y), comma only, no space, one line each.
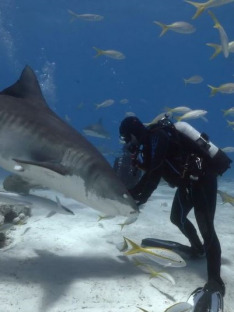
(42,149)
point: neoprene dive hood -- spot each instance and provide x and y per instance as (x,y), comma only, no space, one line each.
(132,126)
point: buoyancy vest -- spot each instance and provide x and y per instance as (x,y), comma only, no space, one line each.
(217,159)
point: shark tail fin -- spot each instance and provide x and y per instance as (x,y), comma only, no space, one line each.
(135,248)
(199,6)
(163,26)
(214,90)
(217,47)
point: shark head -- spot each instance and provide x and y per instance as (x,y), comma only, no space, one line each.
(42,149)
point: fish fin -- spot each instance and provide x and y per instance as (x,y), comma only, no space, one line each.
(217,48)
(135,248)
(225,111)
(167,109)
(199,6)
(99,51)
(50,214)
(185,81)
(56,167)
(163,26)
(27,87)
(61,207)
(73,15)
(214,90)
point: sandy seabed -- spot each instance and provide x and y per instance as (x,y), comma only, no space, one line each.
(69,263)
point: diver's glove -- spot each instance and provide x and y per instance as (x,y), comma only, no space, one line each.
(140,198)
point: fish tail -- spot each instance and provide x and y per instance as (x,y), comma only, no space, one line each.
(185,81)
(135,248)
(168,109)
(152,272)
(229,123)
(217,48)
(214,18)
(199,6)
(73,15)
(225,112)
(164,28)
(214,90)
(99,51)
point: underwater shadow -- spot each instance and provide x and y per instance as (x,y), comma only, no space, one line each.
(55,274)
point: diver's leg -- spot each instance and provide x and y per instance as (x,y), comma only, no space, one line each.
(181,206)
(204,195)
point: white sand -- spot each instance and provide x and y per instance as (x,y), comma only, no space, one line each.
(71,263)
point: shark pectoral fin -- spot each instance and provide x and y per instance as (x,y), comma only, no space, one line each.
(56,167)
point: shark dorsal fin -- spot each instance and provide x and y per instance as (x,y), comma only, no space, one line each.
(27,87)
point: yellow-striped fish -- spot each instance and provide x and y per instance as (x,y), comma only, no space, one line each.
(226,198)
(229,111)
(180,307)
(230,123)
(222,34)
(227,88)
(193,79)
(162,256)
(202,6)
(193,114)
(117,55)
(218,48)
(179,27)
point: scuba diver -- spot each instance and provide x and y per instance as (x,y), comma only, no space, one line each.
(185,159)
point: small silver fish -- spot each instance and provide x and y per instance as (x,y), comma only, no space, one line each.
(227,88)
(193,114)
(218,48)
(86,17)
(222,34)
(105,103)
(202,6)
(228,149)
(117,55)
(193,79)
(179,27)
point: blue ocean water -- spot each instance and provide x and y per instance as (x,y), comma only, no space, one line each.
(41,34)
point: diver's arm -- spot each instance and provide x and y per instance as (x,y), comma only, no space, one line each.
(150,180)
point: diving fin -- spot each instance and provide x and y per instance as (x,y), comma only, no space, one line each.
(206,300)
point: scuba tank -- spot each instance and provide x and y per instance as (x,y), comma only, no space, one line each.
(219,160)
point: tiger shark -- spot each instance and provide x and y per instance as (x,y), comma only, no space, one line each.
(42,149)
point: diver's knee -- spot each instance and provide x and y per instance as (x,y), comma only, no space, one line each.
(175,220)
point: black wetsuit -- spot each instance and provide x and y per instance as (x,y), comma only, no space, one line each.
(175,160)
